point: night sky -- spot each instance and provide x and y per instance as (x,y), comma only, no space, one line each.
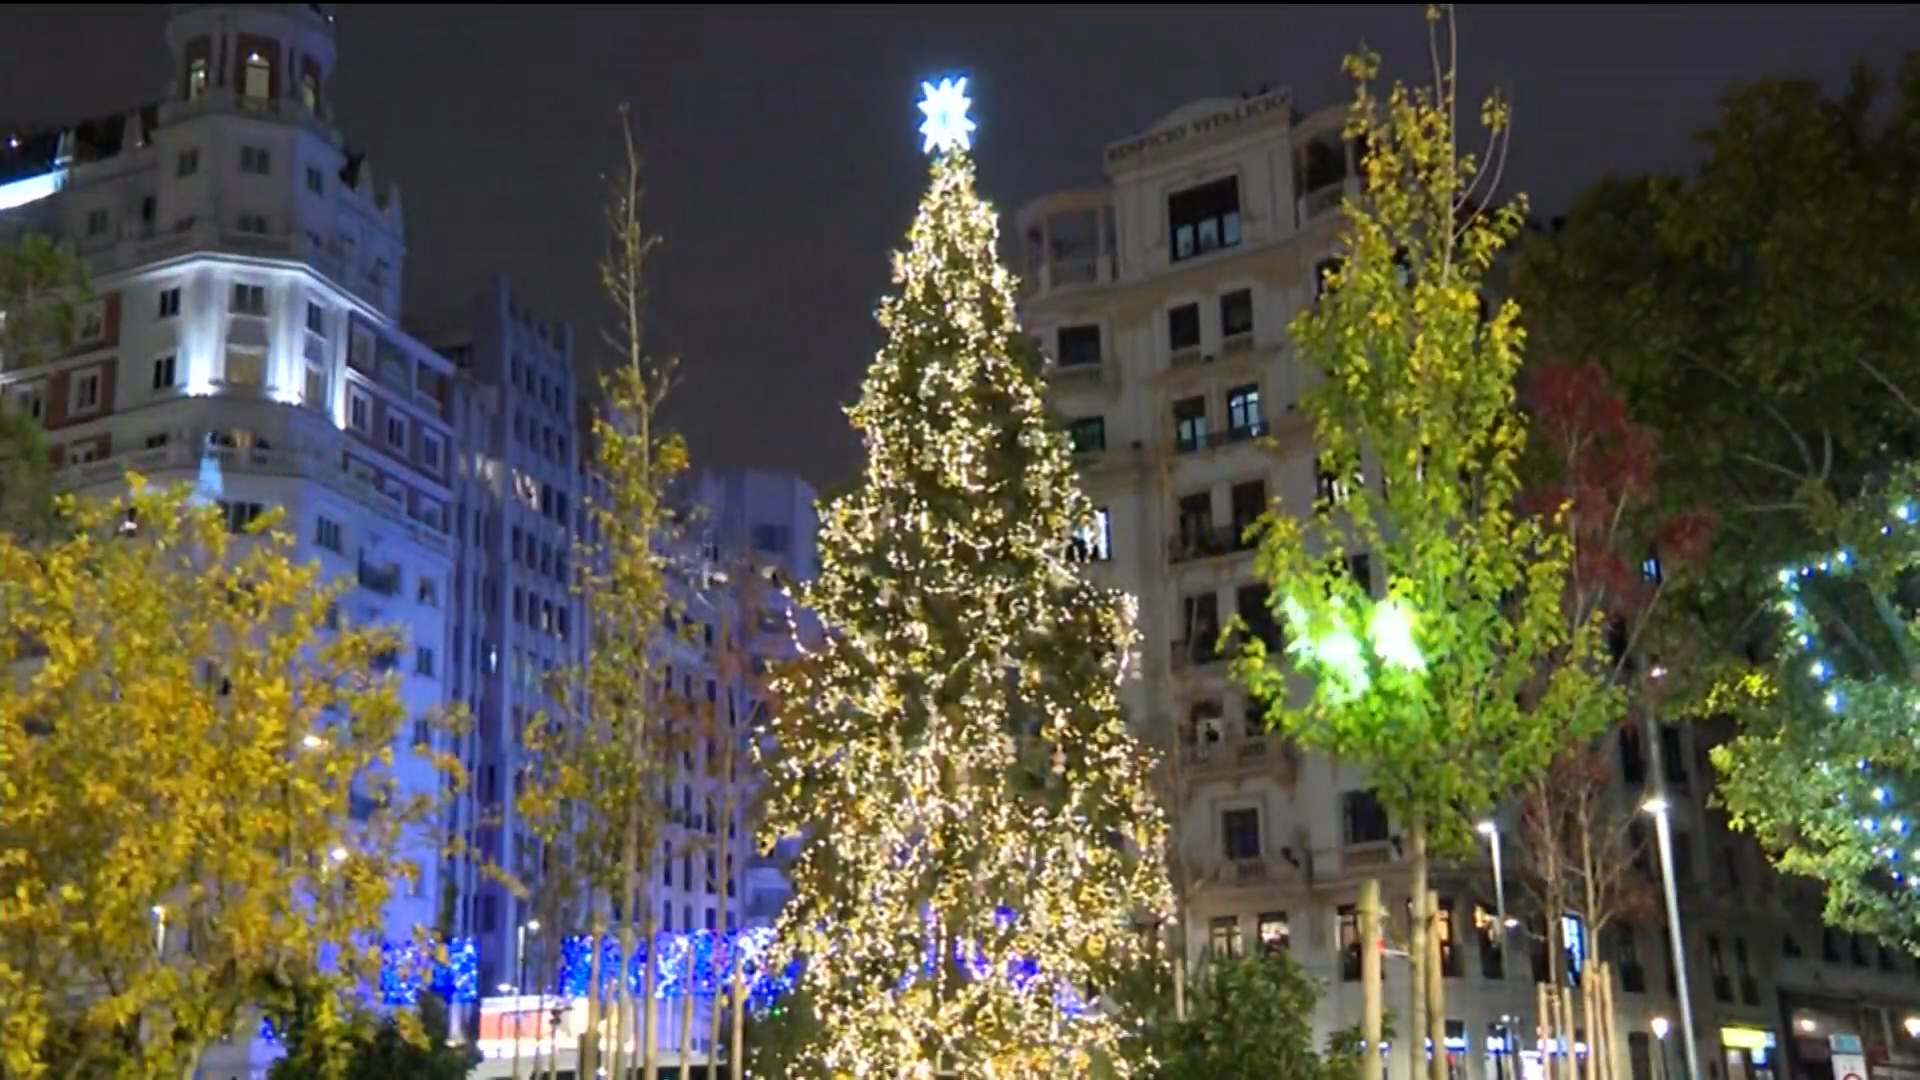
(783,160)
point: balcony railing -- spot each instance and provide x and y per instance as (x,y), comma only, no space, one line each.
(1203,648)
(384,580)
(325,464)
(1204,542)
(1212,440)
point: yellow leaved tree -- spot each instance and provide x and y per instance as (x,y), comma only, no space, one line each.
(201,788)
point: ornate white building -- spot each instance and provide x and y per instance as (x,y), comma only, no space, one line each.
(243,336)
(1163,299)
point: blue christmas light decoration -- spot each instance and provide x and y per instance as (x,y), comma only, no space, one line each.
(406,968)
(1871,793)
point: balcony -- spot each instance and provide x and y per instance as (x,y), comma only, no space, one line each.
(321,461)
(384,580)
(1199,651)
(1207,542)
(1069,242)
(1214,440)
(1249,755)
(1243,872)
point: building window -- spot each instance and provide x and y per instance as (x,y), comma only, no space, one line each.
(316,180)
(187,163)
(1190,424)
(1243,411)
(1088,434)
(248,299)
(1349,943)
(1240,832)
(1443,926)
(1323,273)
(256,79)
(29,401)
(246,368)
(359,412)
(397,432)
(1360,569)
(327,534)
(256,160)
(1183,327)
(1236,313)
(240,515)
(1093,542)
(255,224)
(1078,346)
(158,440)
(430,450)
(169,303)
(163,373)
(85,396)
(197,79)
(81,453)
(769,538)
(1363,819)
(97,222)
(1204,218)
(1223,936)
(1274,935)
(423,661)
(1334,491)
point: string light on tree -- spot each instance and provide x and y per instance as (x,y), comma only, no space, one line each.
(979,835)
(1839,696)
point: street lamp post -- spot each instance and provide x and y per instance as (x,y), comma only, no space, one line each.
(1660,1029)
(1491,830)
(1663,835)
(520,987)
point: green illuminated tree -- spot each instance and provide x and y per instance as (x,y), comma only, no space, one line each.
(1463,677)
(954,756)
(1761,315)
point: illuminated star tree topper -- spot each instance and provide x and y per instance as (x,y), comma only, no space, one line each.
(947,126)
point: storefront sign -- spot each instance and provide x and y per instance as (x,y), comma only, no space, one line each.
(1213,123)
(1849,1063)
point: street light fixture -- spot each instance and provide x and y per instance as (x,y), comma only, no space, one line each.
(1660,1029)
(1912,1024)
(1491,830)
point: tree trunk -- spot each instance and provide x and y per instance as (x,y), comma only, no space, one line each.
(686,1008)
(1416,945)
(648,1018)
(1543,1023)
(1436,991)
(1372,992)
(586,1053)
(737,1045)
(1596,1034)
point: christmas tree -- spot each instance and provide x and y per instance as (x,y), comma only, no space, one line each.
(979,834)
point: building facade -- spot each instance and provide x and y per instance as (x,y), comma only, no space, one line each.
(748,539)
(243,335)
(1163,299)
(516,616)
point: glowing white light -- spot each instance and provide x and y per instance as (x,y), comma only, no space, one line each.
(32,189)
(1391,628)
(339,854)
(1655,805)
(1880,794)
(1819,669)
(947,126)
(1833,702)
(1903,512)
